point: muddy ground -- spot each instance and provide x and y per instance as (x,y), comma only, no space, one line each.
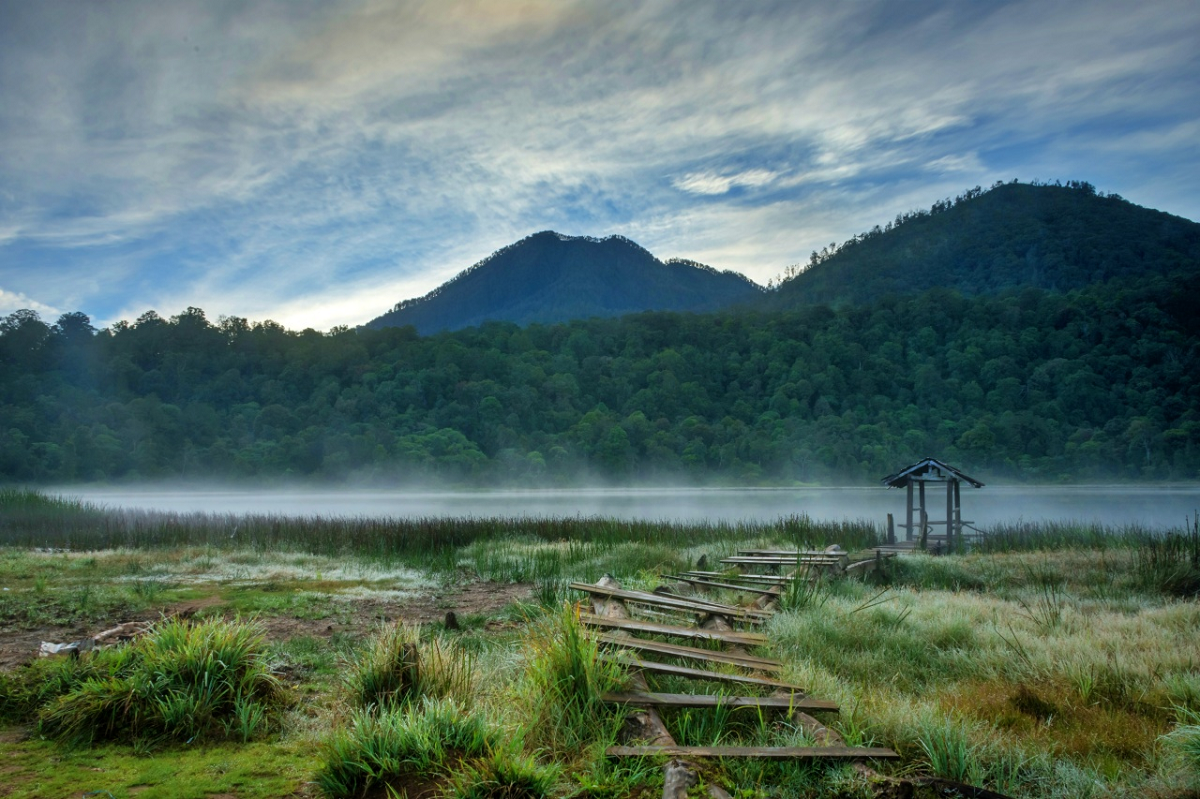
(20,645)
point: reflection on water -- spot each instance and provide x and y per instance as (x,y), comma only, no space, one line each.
(1156,507)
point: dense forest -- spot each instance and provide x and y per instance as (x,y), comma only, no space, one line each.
(1056,237)
(1096,383)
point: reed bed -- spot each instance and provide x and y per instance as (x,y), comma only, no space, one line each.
(31,519)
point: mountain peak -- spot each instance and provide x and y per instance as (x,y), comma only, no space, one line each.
(551,277)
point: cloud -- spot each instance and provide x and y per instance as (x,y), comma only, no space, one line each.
(709,183)
(15,301)
(292,158)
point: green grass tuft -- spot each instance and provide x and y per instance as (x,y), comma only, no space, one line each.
(180,682)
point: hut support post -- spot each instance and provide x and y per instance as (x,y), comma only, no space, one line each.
(924,512)
(958,511)
(891,533)
(950,531)
(908,527)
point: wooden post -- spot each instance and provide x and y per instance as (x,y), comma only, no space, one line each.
(924,515)
(909,526)
(891,534)
(958,511)
(950,514)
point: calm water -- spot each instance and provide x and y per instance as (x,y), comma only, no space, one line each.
(1157,507)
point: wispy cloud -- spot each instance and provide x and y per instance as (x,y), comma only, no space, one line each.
(301,159)
(15,301)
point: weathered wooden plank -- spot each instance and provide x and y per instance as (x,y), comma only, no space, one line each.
(691,653)
(750,578)
(713,584)
(764,752)
(819,553)
(793,702)
(745,639)
(701,674)
(772,560)
(678,603)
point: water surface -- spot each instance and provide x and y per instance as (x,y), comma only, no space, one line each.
(1150,506)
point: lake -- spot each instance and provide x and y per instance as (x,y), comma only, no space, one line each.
(1150,506)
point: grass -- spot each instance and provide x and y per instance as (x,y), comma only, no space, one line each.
(181,682)
(423,743)
(1055,660)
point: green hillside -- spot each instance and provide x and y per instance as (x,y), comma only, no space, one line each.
(1098,383)
(1043,236)
(548,277)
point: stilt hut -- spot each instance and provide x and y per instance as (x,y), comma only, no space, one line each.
(917,525)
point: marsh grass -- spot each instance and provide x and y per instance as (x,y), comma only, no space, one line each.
(564,681)
(397,668)
(435,544)
(427,741)
(180,682)
(1170,563)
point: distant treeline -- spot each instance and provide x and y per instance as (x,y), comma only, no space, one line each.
(1094,384)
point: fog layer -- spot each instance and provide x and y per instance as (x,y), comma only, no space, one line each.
(1149,506)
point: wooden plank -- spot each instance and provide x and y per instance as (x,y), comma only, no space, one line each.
(699,674)
(768,560)
(764,752)
(701,581)
(792,702)
(691,653)
(745,639)
(706,604)
(678,603)
(750,578)
(789,552)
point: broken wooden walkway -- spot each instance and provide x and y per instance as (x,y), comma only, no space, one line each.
(613,627)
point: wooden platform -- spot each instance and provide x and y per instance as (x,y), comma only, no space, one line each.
(793,702)
(766,752)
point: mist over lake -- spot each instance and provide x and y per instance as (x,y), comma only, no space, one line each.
(1159,507)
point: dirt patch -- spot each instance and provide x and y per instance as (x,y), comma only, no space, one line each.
(18,647)
(475,598)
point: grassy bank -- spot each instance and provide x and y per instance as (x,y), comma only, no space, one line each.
(1053,661)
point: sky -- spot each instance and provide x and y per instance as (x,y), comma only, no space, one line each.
(316,162)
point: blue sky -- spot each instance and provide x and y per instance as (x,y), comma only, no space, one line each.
(316,162)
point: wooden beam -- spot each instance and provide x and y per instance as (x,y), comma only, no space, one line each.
(677,603)
(745,639)
(790,552)
(712,584)
(692,653)
(752,578)
(792,702)
(700,674)
(765,752)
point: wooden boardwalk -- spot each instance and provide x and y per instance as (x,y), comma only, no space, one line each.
(615,628)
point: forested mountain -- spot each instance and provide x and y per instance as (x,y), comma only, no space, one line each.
(1045,236)
(1098,383)
(549,277)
